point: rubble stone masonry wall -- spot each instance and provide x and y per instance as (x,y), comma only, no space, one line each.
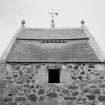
(82,84)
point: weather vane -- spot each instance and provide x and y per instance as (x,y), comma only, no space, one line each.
(53,14)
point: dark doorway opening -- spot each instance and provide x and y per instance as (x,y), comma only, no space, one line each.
(54,76)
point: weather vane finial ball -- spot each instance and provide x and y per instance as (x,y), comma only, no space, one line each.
(23,22)
(82,22)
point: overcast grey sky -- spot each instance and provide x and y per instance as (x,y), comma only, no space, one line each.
(35,12)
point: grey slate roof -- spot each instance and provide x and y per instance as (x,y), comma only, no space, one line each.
(32,51)
(52,34)
(29,51)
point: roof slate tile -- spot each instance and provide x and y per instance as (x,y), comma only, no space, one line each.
(30,51)
(74,33)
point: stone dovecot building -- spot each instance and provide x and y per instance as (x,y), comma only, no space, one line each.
(57,66)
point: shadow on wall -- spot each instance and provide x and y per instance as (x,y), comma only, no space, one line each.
(2,89)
